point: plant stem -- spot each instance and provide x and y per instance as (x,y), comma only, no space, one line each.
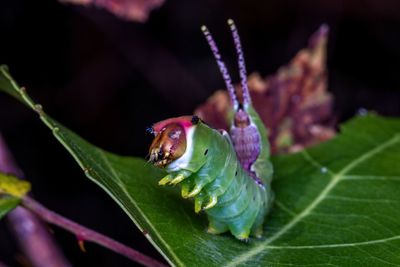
(33,237)
(87,234)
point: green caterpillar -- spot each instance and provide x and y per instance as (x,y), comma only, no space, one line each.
(228,176)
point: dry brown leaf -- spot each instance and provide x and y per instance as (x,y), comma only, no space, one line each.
(294,103)
(134,10)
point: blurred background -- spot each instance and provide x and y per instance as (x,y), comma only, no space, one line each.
(108,78)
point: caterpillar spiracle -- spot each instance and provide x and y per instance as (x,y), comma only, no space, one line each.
(228,176)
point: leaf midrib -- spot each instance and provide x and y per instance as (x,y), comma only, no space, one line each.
(52,126)
(335,179)
(148,222)
(365,243)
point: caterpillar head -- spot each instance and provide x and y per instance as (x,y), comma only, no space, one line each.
(170,141)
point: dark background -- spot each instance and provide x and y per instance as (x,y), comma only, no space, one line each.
(108,79)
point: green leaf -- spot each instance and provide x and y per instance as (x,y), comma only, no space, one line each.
(337,204)
(11,190)
(7,203)
(12,186)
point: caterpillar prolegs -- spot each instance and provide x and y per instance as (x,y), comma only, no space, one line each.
(228,176)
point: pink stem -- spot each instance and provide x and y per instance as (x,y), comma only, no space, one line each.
(87,234)
(33,237)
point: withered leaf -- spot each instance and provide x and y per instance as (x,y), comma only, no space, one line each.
(293,103)
(133,10)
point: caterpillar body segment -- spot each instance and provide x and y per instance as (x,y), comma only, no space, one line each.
(262,166)
(214,178)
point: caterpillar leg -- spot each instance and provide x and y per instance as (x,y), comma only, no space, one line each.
(185,189)
(165,180)
(257,231)
(179,178)
(241,226)
(204,176)
(243,237)
(175,178)
(198,203)
(216,227)
(213,201)
(196,190)
(240,232)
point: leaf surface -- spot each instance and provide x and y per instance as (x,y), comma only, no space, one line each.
(7,204)
(12,186)
(11,190)
(337,204)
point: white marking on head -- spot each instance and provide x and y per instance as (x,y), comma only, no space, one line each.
(176,134)
(183,161)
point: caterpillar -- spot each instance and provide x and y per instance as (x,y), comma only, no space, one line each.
(227,176)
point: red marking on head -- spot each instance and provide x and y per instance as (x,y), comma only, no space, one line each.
(185,122)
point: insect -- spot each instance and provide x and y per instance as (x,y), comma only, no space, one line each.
(228,176)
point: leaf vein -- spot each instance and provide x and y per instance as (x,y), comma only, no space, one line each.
(314,162)
(284,208)
(354,244)
(335,179)
(122,187)
(371,177)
